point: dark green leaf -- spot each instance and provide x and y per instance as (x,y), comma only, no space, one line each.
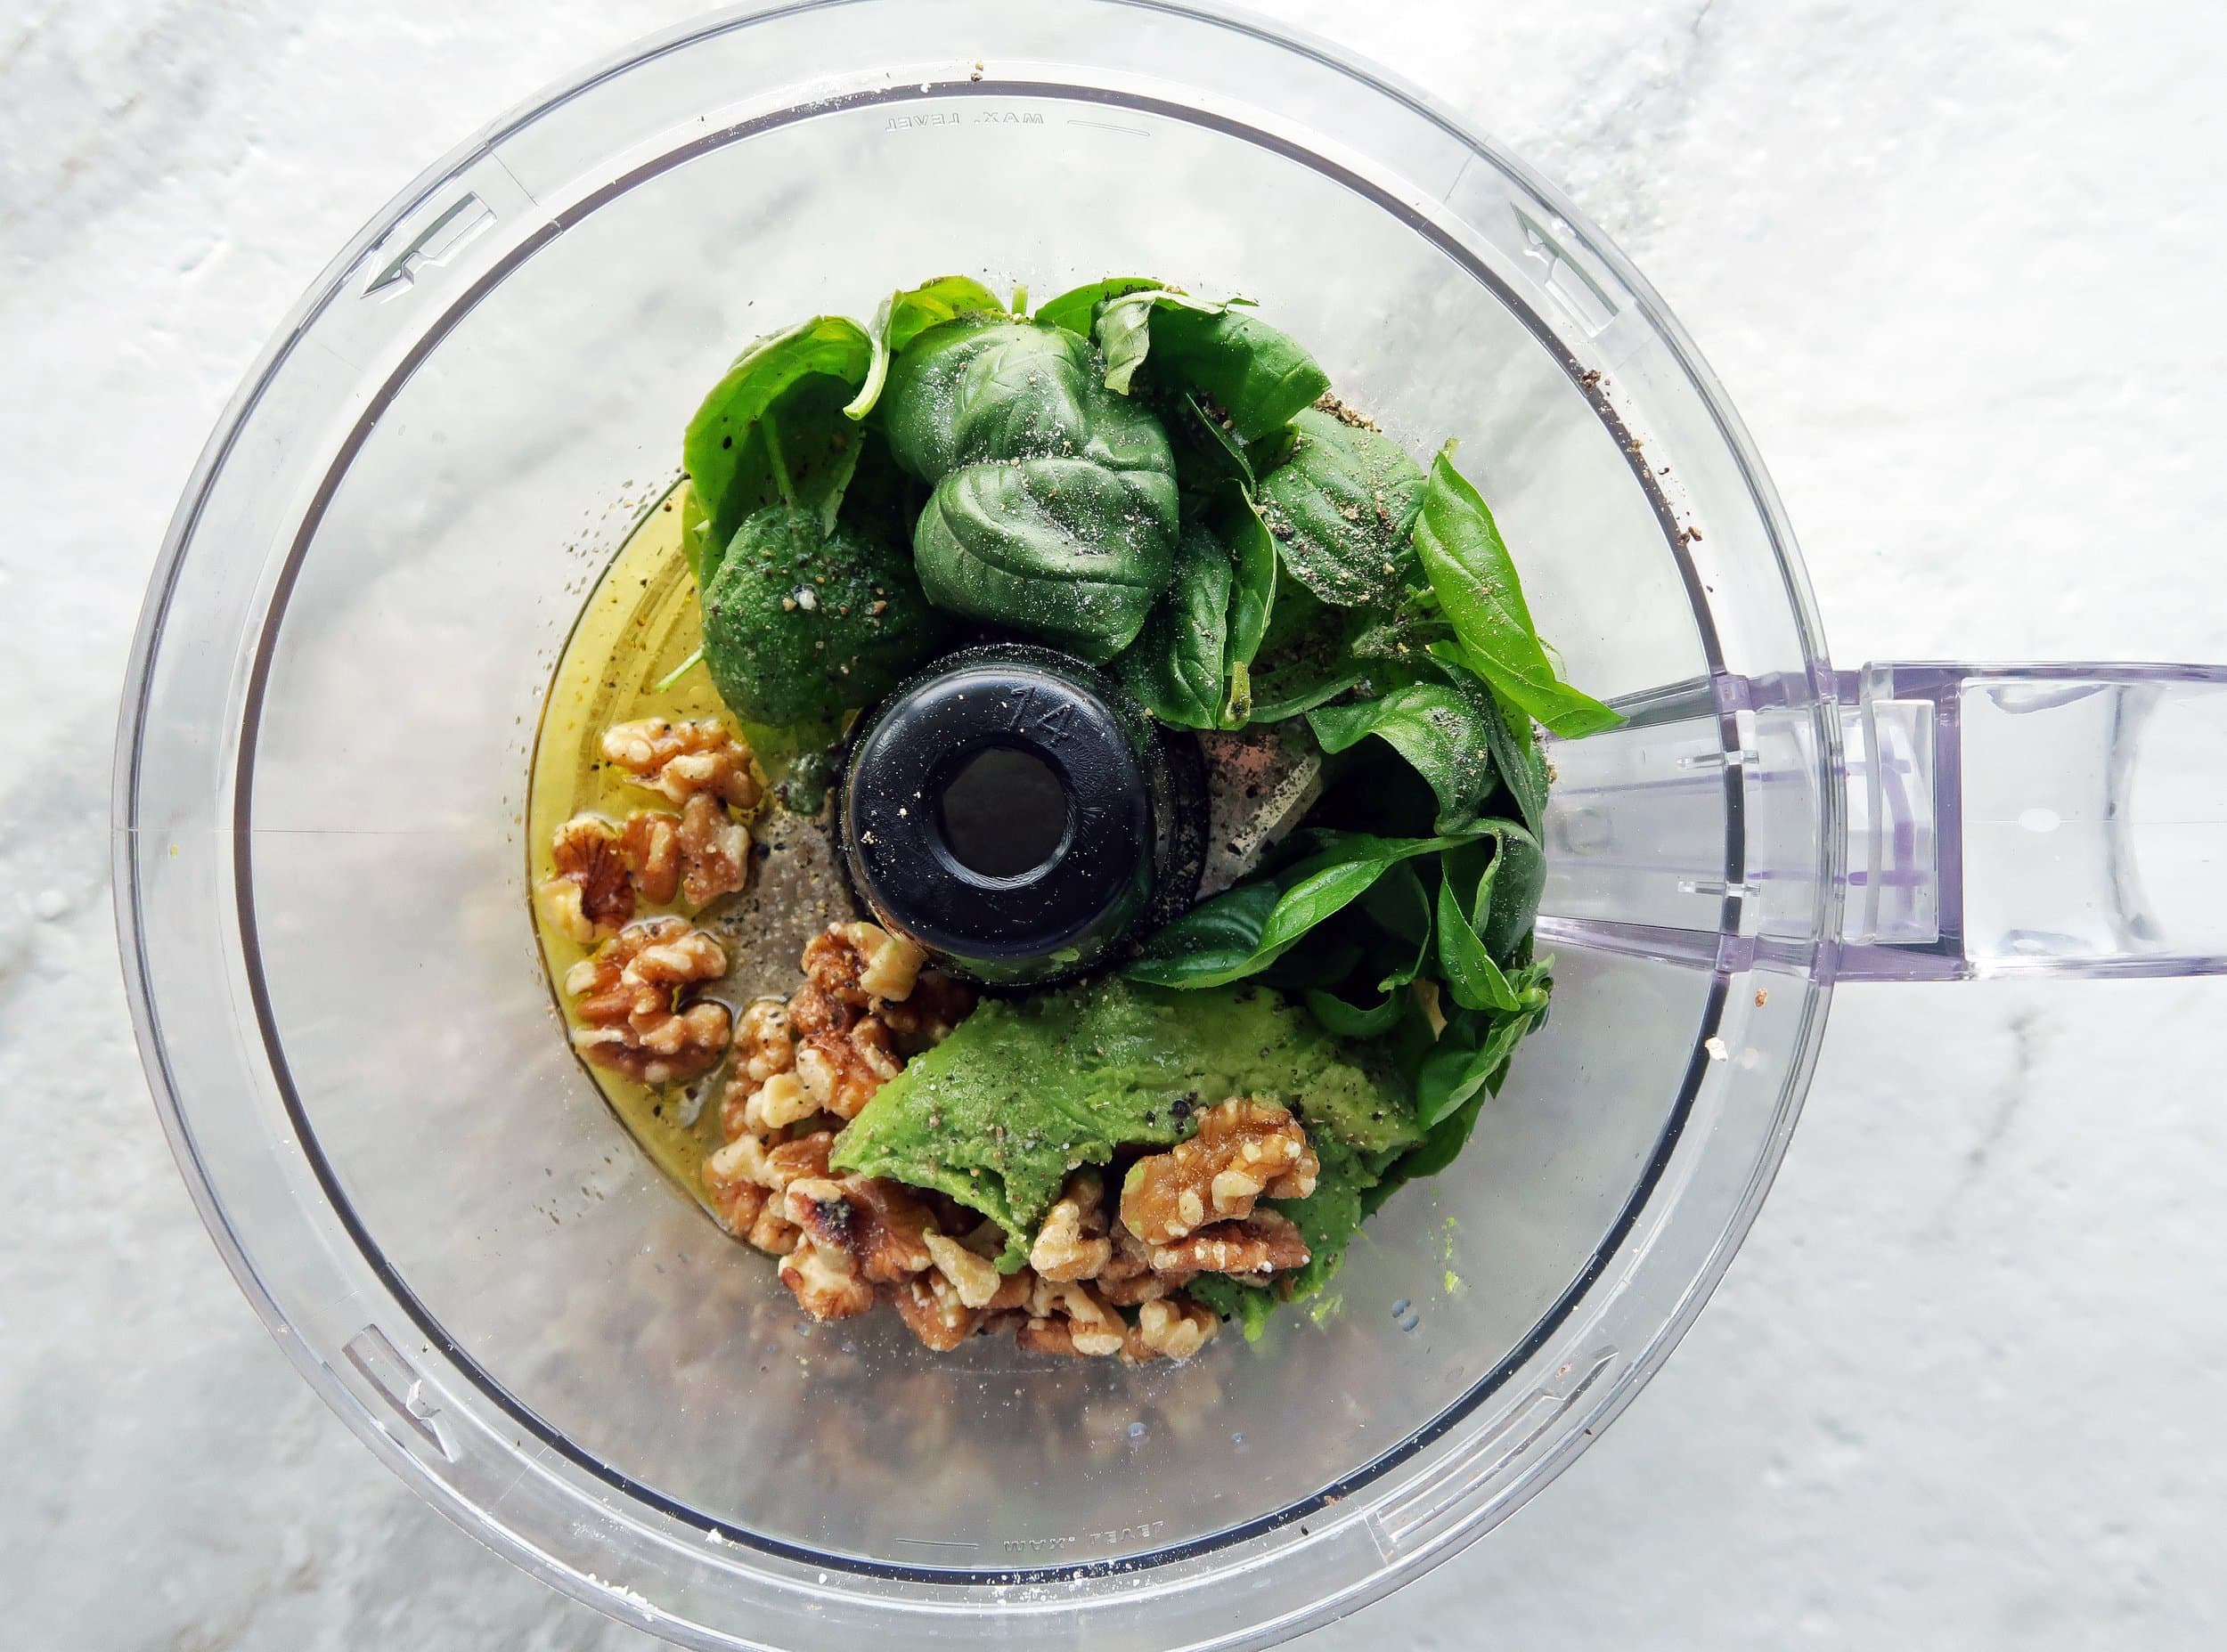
(1341,507)
(1053,510)
(1275,698)
(904,316)
(1207,457)
(1345,1021)
(1216,941)
(1244,930)
(1519,879)
(1258,377)
(1189,666)
(1523,765)
(1440,728)
(777,659)
(1177,666)
(1076,308)
(1473,977)
(738,461)
(1400,904)
(1253,591)
(1474,580)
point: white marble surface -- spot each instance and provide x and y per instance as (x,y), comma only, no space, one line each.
(1958,263)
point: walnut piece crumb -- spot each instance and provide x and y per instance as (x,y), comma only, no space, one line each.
(824,1280)
(1243,1150)
(1067,1317)
(681,760)
(632,1003)
(1074,1243)
(1169,1331)
(588,899)
(976,1278)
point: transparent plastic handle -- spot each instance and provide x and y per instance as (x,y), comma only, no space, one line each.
(2035,820)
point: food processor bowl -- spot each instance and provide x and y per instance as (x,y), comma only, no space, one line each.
(322,868)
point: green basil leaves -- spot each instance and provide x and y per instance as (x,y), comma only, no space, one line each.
(1474,582)
(771,432)
(1342,507)
(1054,508)
(1258,377)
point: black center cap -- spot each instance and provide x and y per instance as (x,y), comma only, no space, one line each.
(1016,813)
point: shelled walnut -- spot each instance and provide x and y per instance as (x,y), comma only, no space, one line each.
(877,1222)
(1170,1331)
(682,759)
(1262,1243)
(831,1047)
(1074,1243)
(1067,1317)
(588,896)
(699,854)
(632,1005)
(1243,1150)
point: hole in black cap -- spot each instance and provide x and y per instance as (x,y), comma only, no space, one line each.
(1004,813)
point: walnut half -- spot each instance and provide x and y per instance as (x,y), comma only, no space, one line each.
(1243,1150)
(876,1222)
(588,896)
(631,993)
(681,760)
(1262,1243)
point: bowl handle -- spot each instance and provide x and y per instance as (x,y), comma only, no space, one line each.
(2017,820)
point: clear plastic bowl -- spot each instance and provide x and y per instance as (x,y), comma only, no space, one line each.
(321,865)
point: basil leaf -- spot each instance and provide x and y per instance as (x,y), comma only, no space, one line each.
(1253,591)
(1474,979)
(1452,1073)
(1519,880)
(1399,904)
(1440,728)
(1077,308)
(1053,510)
(1189,666)
(1275,698)
(903,316)
(1177,667)
(1256,375)
(1341,507)
(776,659)
(1346,1020)
(771,432)
(696,547)
(1523,765)
(1241,932)
(1207,457)
(1474,580)
(1216,941)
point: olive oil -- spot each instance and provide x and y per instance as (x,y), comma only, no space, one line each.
(623,662)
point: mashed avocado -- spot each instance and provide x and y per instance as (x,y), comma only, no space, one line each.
(1025,1090)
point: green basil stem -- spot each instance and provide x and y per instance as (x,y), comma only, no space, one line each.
(773,452)
(678,671)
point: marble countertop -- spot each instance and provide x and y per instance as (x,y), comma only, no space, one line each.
(1958,265)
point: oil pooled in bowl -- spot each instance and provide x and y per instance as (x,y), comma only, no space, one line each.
(623,663)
